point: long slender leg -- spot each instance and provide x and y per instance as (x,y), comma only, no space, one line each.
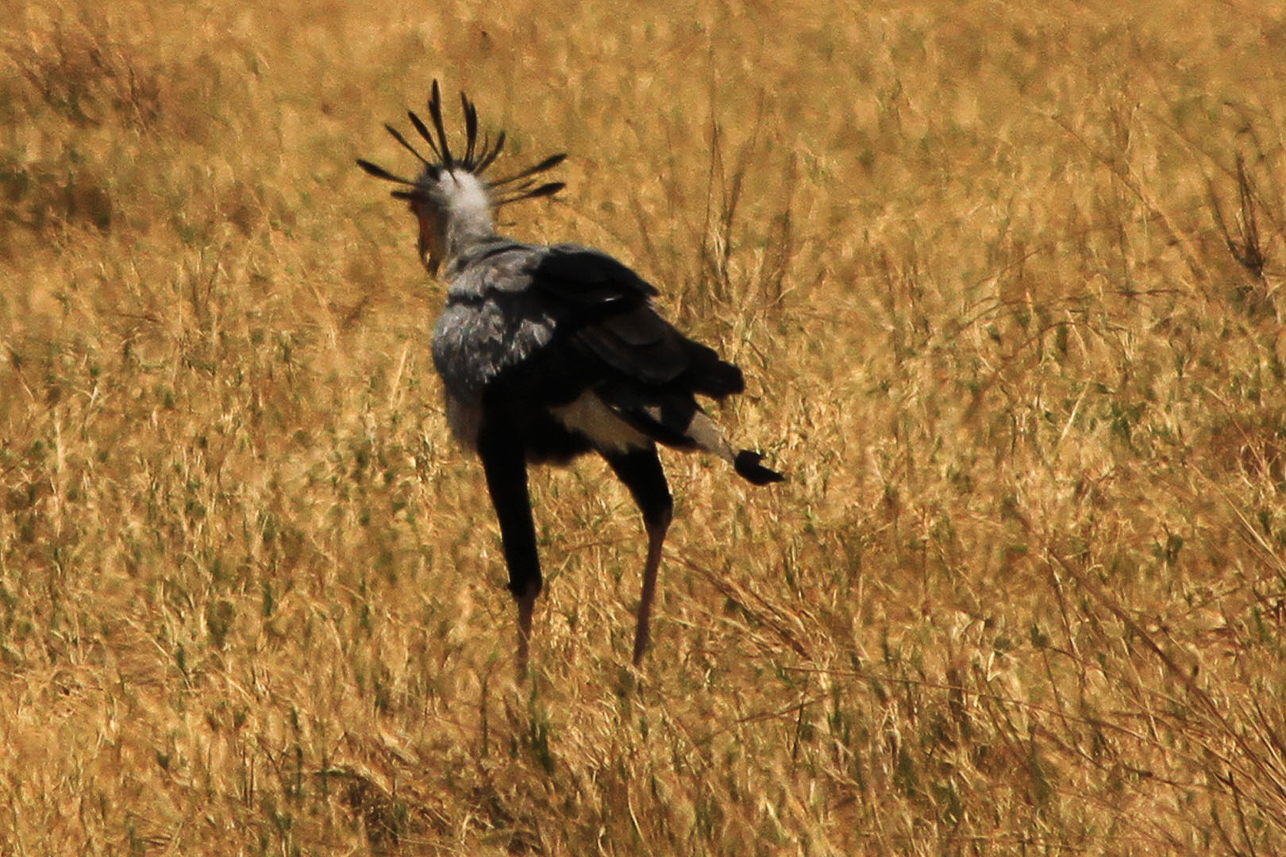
(505,464)
(642,474)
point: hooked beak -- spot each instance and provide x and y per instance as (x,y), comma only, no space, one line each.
(430,253)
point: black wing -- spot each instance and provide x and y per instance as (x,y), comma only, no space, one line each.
(633,357)
(609,340)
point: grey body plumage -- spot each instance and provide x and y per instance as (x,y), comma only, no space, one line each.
(549,352)
(492,322)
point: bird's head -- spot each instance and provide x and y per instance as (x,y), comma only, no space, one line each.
(451,198)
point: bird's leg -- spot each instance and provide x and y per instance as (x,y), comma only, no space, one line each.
(641,472)
(506,468)
(655,539)
(526,606)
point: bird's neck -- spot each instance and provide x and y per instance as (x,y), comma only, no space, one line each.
(463,236)
(468,216)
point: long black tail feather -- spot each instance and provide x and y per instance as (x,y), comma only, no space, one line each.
(748,467)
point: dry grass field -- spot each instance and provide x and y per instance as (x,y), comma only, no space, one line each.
(1006,288)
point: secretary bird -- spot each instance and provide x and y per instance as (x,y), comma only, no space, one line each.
(550,352)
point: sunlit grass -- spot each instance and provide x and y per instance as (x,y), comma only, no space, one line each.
(1005,286)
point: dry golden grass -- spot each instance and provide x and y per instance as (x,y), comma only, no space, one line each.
(1006,285)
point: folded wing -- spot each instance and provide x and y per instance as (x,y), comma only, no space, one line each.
(626,363)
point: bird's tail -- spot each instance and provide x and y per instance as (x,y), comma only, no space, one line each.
(706,434)
(748,467)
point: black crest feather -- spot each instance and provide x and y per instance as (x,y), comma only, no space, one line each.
(478,156)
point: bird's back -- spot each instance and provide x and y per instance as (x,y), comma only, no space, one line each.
(569,333)
(492,320)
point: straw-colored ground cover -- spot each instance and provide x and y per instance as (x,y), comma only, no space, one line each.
(1006,285)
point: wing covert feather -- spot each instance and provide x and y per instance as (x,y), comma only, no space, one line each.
(610,317)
